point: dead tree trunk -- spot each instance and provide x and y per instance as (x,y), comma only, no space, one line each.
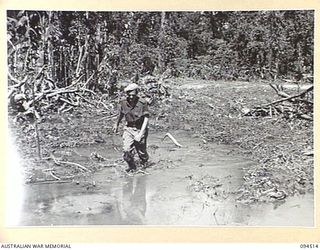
(161,45)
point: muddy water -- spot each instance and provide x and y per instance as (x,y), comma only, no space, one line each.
(161,196)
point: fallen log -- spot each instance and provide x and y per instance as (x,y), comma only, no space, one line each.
(88,90)
(291,97)
(60,109)
(86,100)
(57,92)
(172,139)
(61,91)
(66,110)
(108,117)
(48,182)
(57,162)
(70,102)
(104,105)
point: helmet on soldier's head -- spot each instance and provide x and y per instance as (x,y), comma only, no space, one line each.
(131,87)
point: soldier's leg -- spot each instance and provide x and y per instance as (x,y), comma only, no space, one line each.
(141,148)
(128,148)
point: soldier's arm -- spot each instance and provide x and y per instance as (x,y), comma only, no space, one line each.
(145,114)
(144,126)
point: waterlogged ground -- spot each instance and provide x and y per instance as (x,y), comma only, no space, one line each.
(171,192)
(225,174)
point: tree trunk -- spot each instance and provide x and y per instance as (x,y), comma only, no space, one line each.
(161,45)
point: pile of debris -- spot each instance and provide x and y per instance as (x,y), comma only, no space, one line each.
(35,98)
(154,87)
(297,105)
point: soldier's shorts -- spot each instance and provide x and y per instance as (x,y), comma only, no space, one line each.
(129,144)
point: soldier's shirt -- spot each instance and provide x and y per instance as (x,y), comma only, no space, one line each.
(134,115)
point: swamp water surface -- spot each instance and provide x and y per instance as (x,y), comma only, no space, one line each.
(162,196)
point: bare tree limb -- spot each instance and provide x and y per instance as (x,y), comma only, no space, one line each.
(62,91)
(69,163)
(70,102)
(291,97)
(89,79)
(108,117)
(306,117)
(86,100)
(54,176)
(173,139)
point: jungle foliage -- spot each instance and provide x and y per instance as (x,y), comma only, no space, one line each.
(95,46)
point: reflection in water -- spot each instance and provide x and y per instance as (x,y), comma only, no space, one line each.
(133,204)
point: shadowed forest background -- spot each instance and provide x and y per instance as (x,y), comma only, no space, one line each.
(204,45)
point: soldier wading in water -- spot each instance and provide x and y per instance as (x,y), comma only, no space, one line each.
(135,111)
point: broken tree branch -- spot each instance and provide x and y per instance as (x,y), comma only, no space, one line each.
(74,104)
(62,91)
(76,81)
(291,97)
(173,139)
(54,176)
(86,100)
(57,162)
(108,117)
(45,182)
(89,79)
(306,117)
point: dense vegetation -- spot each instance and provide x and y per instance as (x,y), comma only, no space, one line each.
(66,46)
